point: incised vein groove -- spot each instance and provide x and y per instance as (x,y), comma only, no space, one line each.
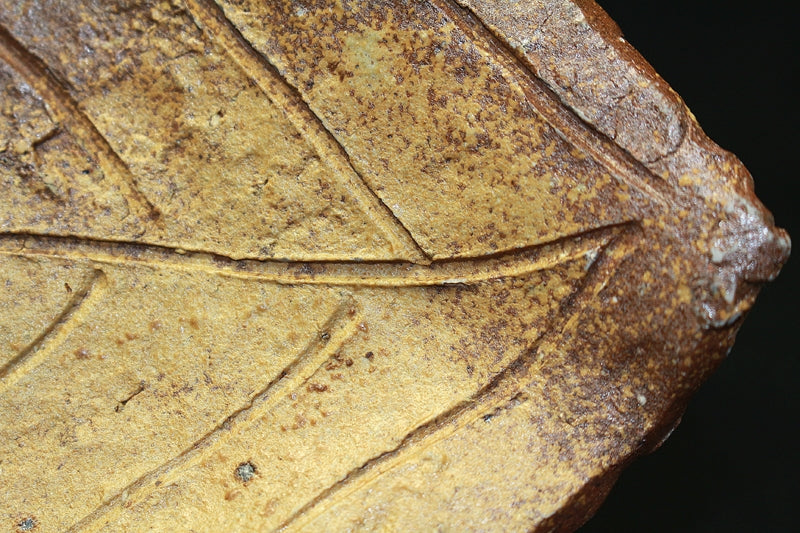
(564,120)
(43,345)
(66,111)
(345,273)
(211,17)
(499,392)
(337,329)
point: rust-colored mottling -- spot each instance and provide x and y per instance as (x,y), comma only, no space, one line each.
(438,264)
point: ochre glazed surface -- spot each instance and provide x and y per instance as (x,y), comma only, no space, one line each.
(349,265)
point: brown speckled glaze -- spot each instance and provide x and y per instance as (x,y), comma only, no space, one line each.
(331,265)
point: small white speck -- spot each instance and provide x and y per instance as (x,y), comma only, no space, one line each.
(718,255)
(641,399)
(591,257)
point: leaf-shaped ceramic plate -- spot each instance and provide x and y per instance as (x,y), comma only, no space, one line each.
(357,265)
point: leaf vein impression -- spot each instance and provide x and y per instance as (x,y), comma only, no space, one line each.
(65,111)
(566,121)
(41,347)
(504,389)
(338,328)
(209,16)
(335,273)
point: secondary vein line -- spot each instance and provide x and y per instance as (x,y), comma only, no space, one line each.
(66,111)
(564,120)
(211,17)
(43,345)
(339,327)
(506,386)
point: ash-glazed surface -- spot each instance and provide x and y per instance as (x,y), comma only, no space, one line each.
(349,266)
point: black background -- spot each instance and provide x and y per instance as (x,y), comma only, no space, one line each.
(734,462)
